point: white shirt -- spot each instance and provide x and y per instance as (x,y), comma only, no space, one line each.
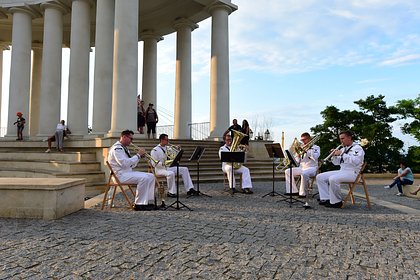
(310,158)
(351,158)
(60,127)
(120,160)
(159,154)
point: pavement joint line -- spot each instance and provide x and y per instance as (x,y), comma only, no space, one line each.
(391,205)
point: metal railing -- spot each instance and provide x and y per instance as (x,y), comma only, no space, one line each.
(198,131)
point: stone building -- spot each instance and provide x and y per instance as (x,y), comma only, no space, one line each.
(37,30)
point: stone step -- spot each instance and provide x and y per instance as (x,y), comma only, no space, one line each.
(55,166)
(42,156)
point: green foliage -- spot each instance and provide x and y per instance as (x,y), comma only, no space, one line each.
(410,109)
(371,122)
(413,158)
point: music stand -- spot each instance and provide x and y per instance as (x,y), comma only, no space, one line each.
(196,156)
(292,163)
(232,157)
(274,151)
(176,203)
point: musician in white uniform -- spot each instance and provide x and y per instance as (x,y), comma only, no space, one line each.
(350,157)
(159,153)
(227,168)
(308,166)
(123,163)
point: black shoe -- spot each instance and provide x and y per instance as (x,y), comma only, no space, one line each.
(142,207)
(232,191)
(292,194)
(248,191)
(171,194)
(324,202)
(302,196)
(334,205)
(192,192)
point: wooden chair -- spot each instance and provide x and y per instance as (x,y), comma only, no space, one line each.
(311,180)
(160,182)
(360,180)
(113,181)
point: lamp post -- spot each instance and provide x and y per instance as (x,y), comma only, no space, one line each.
(266,135)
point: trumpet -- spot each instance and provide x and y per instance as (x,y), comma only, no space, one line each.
(331,154)
(146,155)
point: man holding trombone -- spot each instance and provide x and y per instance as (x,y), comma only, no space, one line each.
(307,154)
(349,156)
(122,163)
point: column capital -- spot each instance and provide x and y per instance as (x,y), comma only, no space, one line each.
(64,9)
(228,7)
(27,10)
(184,22)
(4,46)
(150,34)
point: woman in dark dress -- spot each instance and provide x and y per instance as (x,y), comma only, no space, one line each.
(245,129)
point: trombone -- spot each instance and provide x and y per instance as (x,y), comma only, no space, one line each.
(146,155)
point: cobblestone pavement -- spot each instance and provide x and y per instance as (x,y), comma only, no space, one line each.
(225,237)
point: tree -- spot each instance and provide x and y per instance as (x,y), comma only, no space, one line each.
(372,122)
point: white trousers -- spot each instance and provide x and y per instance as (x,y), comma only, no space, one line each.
(170,174)
(304,179)
(329,184)
(145,185)
(246,176)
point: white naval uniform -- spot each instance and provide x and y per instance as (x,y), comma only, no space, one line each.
(350,161)
(159,154)
(122,163)
(227,168)
(307,168)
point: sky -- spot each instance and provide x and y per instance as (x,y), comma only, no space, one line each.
(291,59)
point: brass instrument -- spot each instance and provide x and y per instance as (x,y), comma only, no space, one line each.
(332,153)
(293,150)
(302,149)
(236,147)
(146,155)
(171,153)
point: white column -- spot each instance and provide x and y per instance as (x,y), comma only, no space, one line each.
(219,70)
(20,68)
(149,86)
(3,46)
(34,106)
(78,99)
(50,97)
(124,87)
(183,93)
(104,50)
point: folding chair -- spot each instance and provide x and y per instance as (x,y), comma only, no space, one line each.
(114,182)
(311,181)
(159,184)
(360,180)
(238,181)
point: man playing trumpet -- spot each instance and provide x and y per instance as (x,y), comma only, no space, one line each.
(350,157)
(159,153)
(308,157)
(122,163)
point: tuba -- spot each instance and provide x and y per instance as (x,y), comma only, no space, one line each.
(236,147)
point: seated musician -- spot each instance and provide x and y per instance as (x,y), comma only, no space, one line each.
(159,153)
(227,168)
(122,163)
(350,157)
(308,165)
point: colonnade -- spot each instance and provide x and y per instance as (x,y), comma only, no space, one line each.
(38,94)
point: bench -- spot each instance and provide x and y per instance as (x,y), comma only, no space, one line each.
(40,198)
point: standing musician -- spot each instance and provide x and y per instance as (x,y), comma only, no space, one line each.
(227,168)
(159,153)
(123,163)
(308,165)
(350,157)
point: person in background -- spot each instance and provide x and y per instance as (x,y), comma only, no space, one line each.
(61,131)
(234,126)
(245,130)
(141,113)
(405,177)
(20,125)
(151,121)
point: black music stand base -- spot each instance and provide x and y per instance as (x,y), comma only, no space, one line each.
(289,198)
(273,192)
(176,204)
